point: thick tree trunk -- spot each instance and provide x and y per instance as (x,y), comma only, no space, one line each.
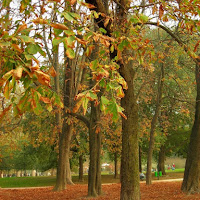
(191,181)
(130,187)
(161,160)
(63,176)
(81,168)
(63,170)
(93,178)
(116,166)
(153,127)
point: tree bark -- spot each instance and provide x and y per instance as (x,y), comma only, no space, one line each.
(63,161)
(153,127)
(63,170)
(93,176)
(130,187)
(191,180)
(161,160)
(116,166)
(81,168)
(140,159)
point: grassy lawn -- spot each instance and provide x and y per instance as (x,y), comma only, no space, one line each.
(27,181)
(41,181)
(181,170)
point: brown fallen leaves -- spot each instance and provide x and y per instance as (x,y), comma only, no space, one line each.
(156,191)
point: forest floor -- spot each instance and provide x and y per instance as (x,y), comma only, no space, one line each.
(167,188)
(157,191)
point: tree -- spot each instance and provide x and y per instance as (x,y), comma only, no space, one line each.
(191,175)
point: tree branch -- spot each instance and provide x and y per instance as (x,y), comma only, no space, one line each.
(82,118)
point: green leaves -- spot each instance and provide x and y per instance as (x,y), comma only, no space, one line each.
(70,53)
(26,39)
(71,16)
(124,44)
(112,108)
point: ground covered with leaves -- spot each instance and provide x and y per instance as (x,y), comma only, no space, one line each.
(158,191)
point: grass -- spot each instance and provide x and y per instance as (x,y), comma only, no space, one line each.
(181,170)
(12,182)
(41,181)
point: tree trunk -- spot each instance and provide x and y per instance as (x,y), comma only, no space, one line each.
(63,170)
(94,175)
(64,142)
(130,187)
(98,173)
(93,146)
(140,159)
(81,168)
(116,166)
(191,179)
(153,127)
(161,160)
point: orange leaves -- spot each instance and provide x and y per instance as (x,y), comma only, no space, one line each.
(40,21)
(158,190)
(59,26)
(43,78)
(17,48)
(196,46)
(90,6)
(161,11)
(21,28)
(45,99)
(52,71)
(72,2)
(81,41)
(107,20)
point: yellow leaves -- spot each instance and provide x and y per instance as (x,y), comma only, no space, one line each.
(6,91)
(59,26)
(70,53)
(17,73)
(89,50)
(120,92)
(8,75)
